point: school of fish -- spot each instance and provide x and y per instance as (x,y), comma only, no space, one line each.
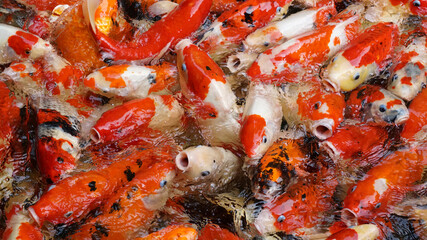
(213,119)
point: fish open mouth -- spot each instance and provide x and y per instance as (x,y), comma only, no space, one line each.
(240,61)
(95,136)
(331,86)
(182,161)
(322,129)
(330,149)
(349,217)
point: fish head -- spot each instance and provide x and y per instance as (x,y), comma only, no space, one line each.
(419,7)
(255,136)
(407,81)
(389,109)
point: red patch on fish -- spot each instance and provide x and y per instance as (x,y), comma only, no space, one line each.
(22,43)
(251,135)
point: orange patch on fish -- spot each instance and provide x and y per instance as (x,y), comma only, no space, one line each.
(18,67)
(114,74)
(252,133)
(22,43)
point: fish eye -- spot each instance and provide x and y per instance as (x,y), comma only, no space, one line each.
(354,188)
(356,76)
(378,205)
(184,67)
(416,3)
(394,77)
(333,59)
(264,139)
(317,105)
(382,108)
(281,218)
(163,183)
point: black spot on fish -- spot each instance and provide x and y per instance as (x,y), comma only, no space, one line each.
(303,197)
(101,229)
(248,15)
(156,18)
(139,162)
(224,24)
(115,207)
(361,93)
(212,115)
(92,186)
(208,68)
(129,174)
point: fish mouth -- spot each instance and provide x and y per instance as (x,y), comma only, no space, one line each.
(330,149)
(33,215)
(182,162)
(240,61)
(95,136)
(323,129)
(349,217)
(330,85)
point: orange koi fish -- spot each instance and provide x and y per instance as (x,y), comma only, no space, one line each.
(282,162)
(162,35)
(234,25)
(210,96)
(214,232)
(20,226)
(133,207)
(372,103)
(160,113)
(364,231)
(288,62)
(46,5)
(74,197)
(382,187)
(182,232)
(417,121)
(363,58)
(132,81)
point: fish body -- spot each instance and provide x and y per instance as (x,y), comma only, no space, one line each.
(159,113)
(132,81)
(213,231)
(164,34)
(262,118)
(410,70)
(291,60)
(210,97)
(234,25)
(373,103)
(21,226)
(360,232)
(417,120)
(173,232)
(282,163)
(363,58)
(382,187)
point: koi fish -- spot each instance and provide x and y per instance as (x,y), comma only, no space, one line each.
(159,113)
(18,45)
(20,226)
(364,231)
(262,118)
(278,32)
(300,206)
(187,18)
(133,81)
(372,103)
(183,231)
(417,121)
(382,187)
(282,163)
(46,5)
(357,145)
(210,168)
(363,58)
(213,231)
(291,60)
(74,197)
(395,10)
(321,112)
(133,207)
(234,25)
(410,71)
(210,96)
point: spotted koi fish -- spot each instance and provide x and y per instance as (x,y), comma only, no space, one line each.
(262,118)
(210,96)
(133,81)
(234,25)
(282,163)
(410,71)
(133,207)
(158,113)
(74,197)
(289,61)
(372,103)
(382,187)
(364,57)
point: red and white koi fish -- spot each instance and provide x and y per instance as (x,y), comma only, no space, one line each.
(17,44)
(321,112)
(262,118)
(209,168)
(290,61)
(382,187)
(9,118)
(152,44)
(282,163)
(72,198)
(45,5)
(360,232)
(214,232)
(357,145)
(131,81)
(234,25)
(132,207)
(373,103)
(159,113)
(20,226)
(415,128)
(301,207)
(54,76)
(363,58)
(394,10)
(410,71)
(278,32)
(210,96)
(182,231)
